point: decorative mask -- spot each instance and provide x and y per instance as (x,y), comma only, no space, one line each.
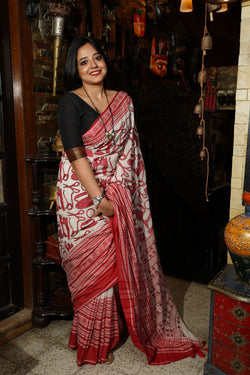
(139,22)
(158,62)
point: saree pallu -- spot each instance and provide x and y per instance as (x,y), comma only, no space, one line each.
(99,252)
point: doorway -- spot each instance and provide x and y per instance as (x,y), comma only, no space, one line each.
(11,285)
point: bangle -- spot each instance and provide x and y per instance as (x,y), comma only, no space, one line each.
(97,200)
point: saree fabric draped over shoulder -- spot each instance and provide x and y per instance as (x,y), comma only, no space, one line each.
(99,252)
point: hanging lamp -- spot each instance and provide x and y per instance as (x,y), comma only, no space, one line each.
(221,1)
(223,8)
(186,6)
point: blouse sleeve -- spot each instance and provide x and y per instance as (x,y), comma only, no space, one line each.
(69,123)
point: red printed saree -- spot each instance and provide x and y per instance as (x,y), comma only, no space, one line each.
(99,252)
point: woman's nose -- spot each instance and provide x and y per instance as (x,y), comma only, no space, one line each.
(93,63)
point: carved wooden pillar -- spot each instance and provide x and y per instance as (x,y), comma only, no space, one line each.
(97,19)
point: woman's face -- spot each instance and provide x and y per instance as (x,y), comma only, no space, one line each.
(92,68)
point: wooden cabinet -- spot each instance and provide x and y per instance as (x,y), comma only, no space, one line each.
(51,294)
(229,333)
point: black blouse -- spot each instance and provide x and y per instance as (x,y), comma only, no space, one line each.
(75,117)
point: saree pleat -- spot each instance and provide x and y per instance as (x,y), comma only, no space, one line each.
(96,329)
(98,252)
(91,266)
(154,324)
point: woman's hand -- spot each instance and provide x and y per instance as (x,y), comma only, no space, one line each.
(105,208)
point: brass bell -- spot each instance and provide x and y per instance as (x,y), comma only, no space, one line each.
(198,109)
(202,154)
(206,42)
(199,131)
(202,76)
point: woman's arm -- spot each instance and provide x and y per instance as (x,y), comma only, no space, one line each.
(86,177)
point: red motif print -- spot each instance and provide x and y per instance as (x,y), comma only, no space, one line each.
(98,252)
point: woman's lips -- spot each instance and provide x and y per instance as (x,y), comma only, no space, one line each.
(95,73)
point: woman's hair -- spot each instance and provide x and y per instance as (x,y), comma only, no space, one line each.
(71,69)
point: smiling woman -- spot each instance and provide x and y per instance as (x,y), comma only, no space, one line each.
(92,68)
(105,231)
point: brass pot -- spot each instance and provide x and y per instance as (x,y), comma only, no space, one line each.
(237,239)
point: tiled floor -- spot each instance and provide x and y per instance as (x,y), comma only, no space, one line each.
(45,351)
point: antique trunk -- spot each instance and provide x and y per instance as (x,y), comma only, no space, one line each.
(229,333)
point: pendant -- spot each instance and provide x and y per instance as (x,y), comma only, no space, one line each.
(110,136)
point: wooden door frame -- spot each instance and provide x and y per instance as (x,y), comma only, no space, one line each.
(25,128)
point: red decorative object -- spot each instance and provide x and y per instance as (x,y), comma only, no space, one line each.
(232,310)
(230,363)
(225,334)
(159,61)
(229,338)
(139,22)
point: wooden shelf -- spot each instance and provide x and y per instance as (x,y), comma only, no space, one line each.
(45,270)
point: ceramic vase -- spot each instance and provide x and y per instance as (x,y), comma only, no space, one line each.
(237,239)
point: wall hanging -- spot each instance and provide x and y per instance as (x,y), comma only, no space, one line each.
(139,22)
(209,81)
(159,60)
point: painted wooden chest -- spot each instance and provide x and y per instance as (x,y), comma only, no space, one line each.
(229,331)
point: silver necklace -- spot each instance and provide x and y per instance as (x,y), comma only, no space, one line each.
(109,136)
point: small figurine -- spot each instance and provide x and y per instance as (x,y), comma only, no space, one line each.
(212,85)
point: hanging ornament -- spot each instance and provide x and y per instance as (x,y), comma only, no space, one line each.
(206,42)
(139,22)
(198,109)
(202,154)
(202,76)
(212,8)
(199,131)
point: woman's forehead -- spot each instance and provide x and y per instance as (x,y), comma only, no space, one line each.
(86,51)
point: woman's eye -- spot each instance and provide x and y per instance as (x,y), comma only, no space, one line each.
(84,62)
(99,57)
